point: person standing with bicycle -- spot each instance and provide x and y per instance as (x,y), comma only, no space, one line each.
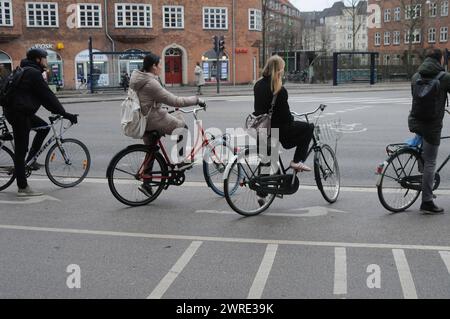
(31,92)
(426,118)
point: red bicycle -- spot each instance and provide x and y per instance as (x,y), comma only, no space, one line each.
(138,174)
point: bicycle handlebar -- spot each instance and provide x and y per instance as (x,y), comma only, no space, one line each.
(321,107)
(194,111)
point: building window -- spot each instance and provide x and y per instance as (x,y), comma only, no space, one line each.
(417,12)
(431,35)
(408,12)
(215,18)
(89,15)
(433,9)
(6,17)
(396,40)
(42,14)
(387,38)
(254,19)
(131,15)
(173,17)
(444,8)
(397,14)
(377,39)
(407,36)
(417,36)
(443,34)
(387,15)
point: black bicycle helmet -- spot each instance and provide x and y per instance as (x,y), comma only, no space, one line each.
(36,53)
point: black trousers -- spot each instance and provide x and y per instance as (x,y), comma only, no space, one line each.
(21,126)
(298,134)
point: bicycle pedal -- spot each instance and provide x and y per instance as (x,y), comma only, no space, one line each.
(280,196)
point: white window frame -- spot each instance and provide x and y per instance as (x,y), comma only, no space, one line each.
(433,9)
(441,33)
(141,7)
(417,33)
(377,39)
(397,14)
(387,15)
(408,12)
(214,27)
(99,6)
(387,38)
(3,17)
(444,9)
(432,35)
(41,3)
(164,17)
(407,36)
(396,38)
(254,15)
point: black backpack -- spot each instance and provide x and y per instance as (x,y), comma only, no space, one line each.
(427,98)
(9,85)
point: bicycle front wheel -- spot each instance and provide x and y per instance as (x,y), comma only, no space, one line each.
(137,175)
(68,164)
(215,161)
(326,171)
(244,199)
(7,174)
(399,184)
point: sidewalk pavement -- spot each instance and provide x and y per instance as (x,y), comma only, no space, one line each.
(75,97)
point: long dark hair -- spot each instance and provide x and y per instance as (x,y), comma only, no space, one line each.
(149,61)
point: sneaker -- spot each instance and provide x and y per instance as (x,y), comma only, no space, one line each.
(431,208)
(300,167)
(146,190)
(185,166)
(35,166)
(28,192)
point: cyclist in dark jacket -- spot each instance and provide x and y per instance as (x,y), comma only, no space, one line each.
(31,93)
(430,130)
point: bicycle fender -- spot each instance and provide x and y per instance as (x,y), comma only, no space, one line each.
(230,164)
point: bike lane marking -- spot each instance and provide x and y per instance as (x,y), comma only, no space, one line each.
(259,283)
(315,211)
(340,271)
(404,273)
(173,273)
(30,200)
(445,255)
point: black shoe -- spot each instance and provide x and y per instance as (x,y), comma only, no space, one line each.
(35,166)
(431,208)
(146,190)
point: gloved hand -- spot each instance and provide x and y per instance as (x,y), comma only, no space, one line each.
(71,117)
(201,103)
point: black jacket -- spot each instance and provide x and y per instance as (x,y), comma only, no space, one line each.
(431,131)
(32,92)
(281,117)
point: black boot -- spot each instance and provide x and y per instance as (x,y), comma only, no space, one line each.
(431,208)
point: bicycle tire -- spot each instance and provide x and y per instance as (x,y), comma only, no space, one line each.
(83,162)
(7,174)
(214,168)
(383,192)
(229,193)
(323,171)
(114,181)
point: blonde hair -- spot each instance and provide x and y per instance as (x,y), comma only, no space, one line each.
(274,69)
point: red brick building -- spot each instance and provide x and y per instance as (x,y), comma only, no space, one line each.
(179,31)
(396,26)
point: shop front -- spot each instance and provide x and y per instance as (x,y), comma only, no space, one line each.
(100,75)
(55,69)
(210,67)
(131,60)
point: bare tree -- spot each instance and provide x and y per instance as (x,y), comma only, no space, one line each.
(353,10)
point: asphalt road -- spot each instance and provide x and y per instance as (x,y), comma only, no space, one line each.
(188,244)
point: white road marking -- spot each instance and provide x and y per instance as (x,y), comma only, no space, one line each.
(224,239)
(173,273)
(259,283)
(404,273)
(445,255)
(29,200)
(340,271)
(315,211)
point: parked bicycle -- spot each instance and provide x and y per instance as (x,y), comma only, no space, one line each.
(258,186)
(399,182)
(150,165)
(67,162)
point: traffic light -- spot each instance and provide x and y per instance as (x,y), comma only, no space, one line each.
(222,44)
(216,43)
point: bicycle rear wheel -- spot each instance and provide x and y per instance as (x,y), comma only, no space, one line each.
(393,192)
(68,165)
(136,175)
(326,171)
(244,200)
(7,174)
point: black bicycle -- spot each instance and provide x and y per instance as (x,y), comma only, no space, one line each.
(399,182)
(67,162)
(260,182)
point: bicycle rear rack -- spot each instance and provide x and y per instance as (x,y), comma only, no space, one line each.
(393,148)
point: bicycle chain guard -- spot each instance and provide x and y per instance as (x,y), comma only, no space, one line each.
(275,184)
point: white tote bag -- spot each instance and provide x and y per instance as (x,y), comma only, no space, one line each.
(133,122)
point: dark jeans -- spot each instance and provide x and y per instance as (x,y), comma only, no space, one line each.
(21,126)
(298,134)
(429,155)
